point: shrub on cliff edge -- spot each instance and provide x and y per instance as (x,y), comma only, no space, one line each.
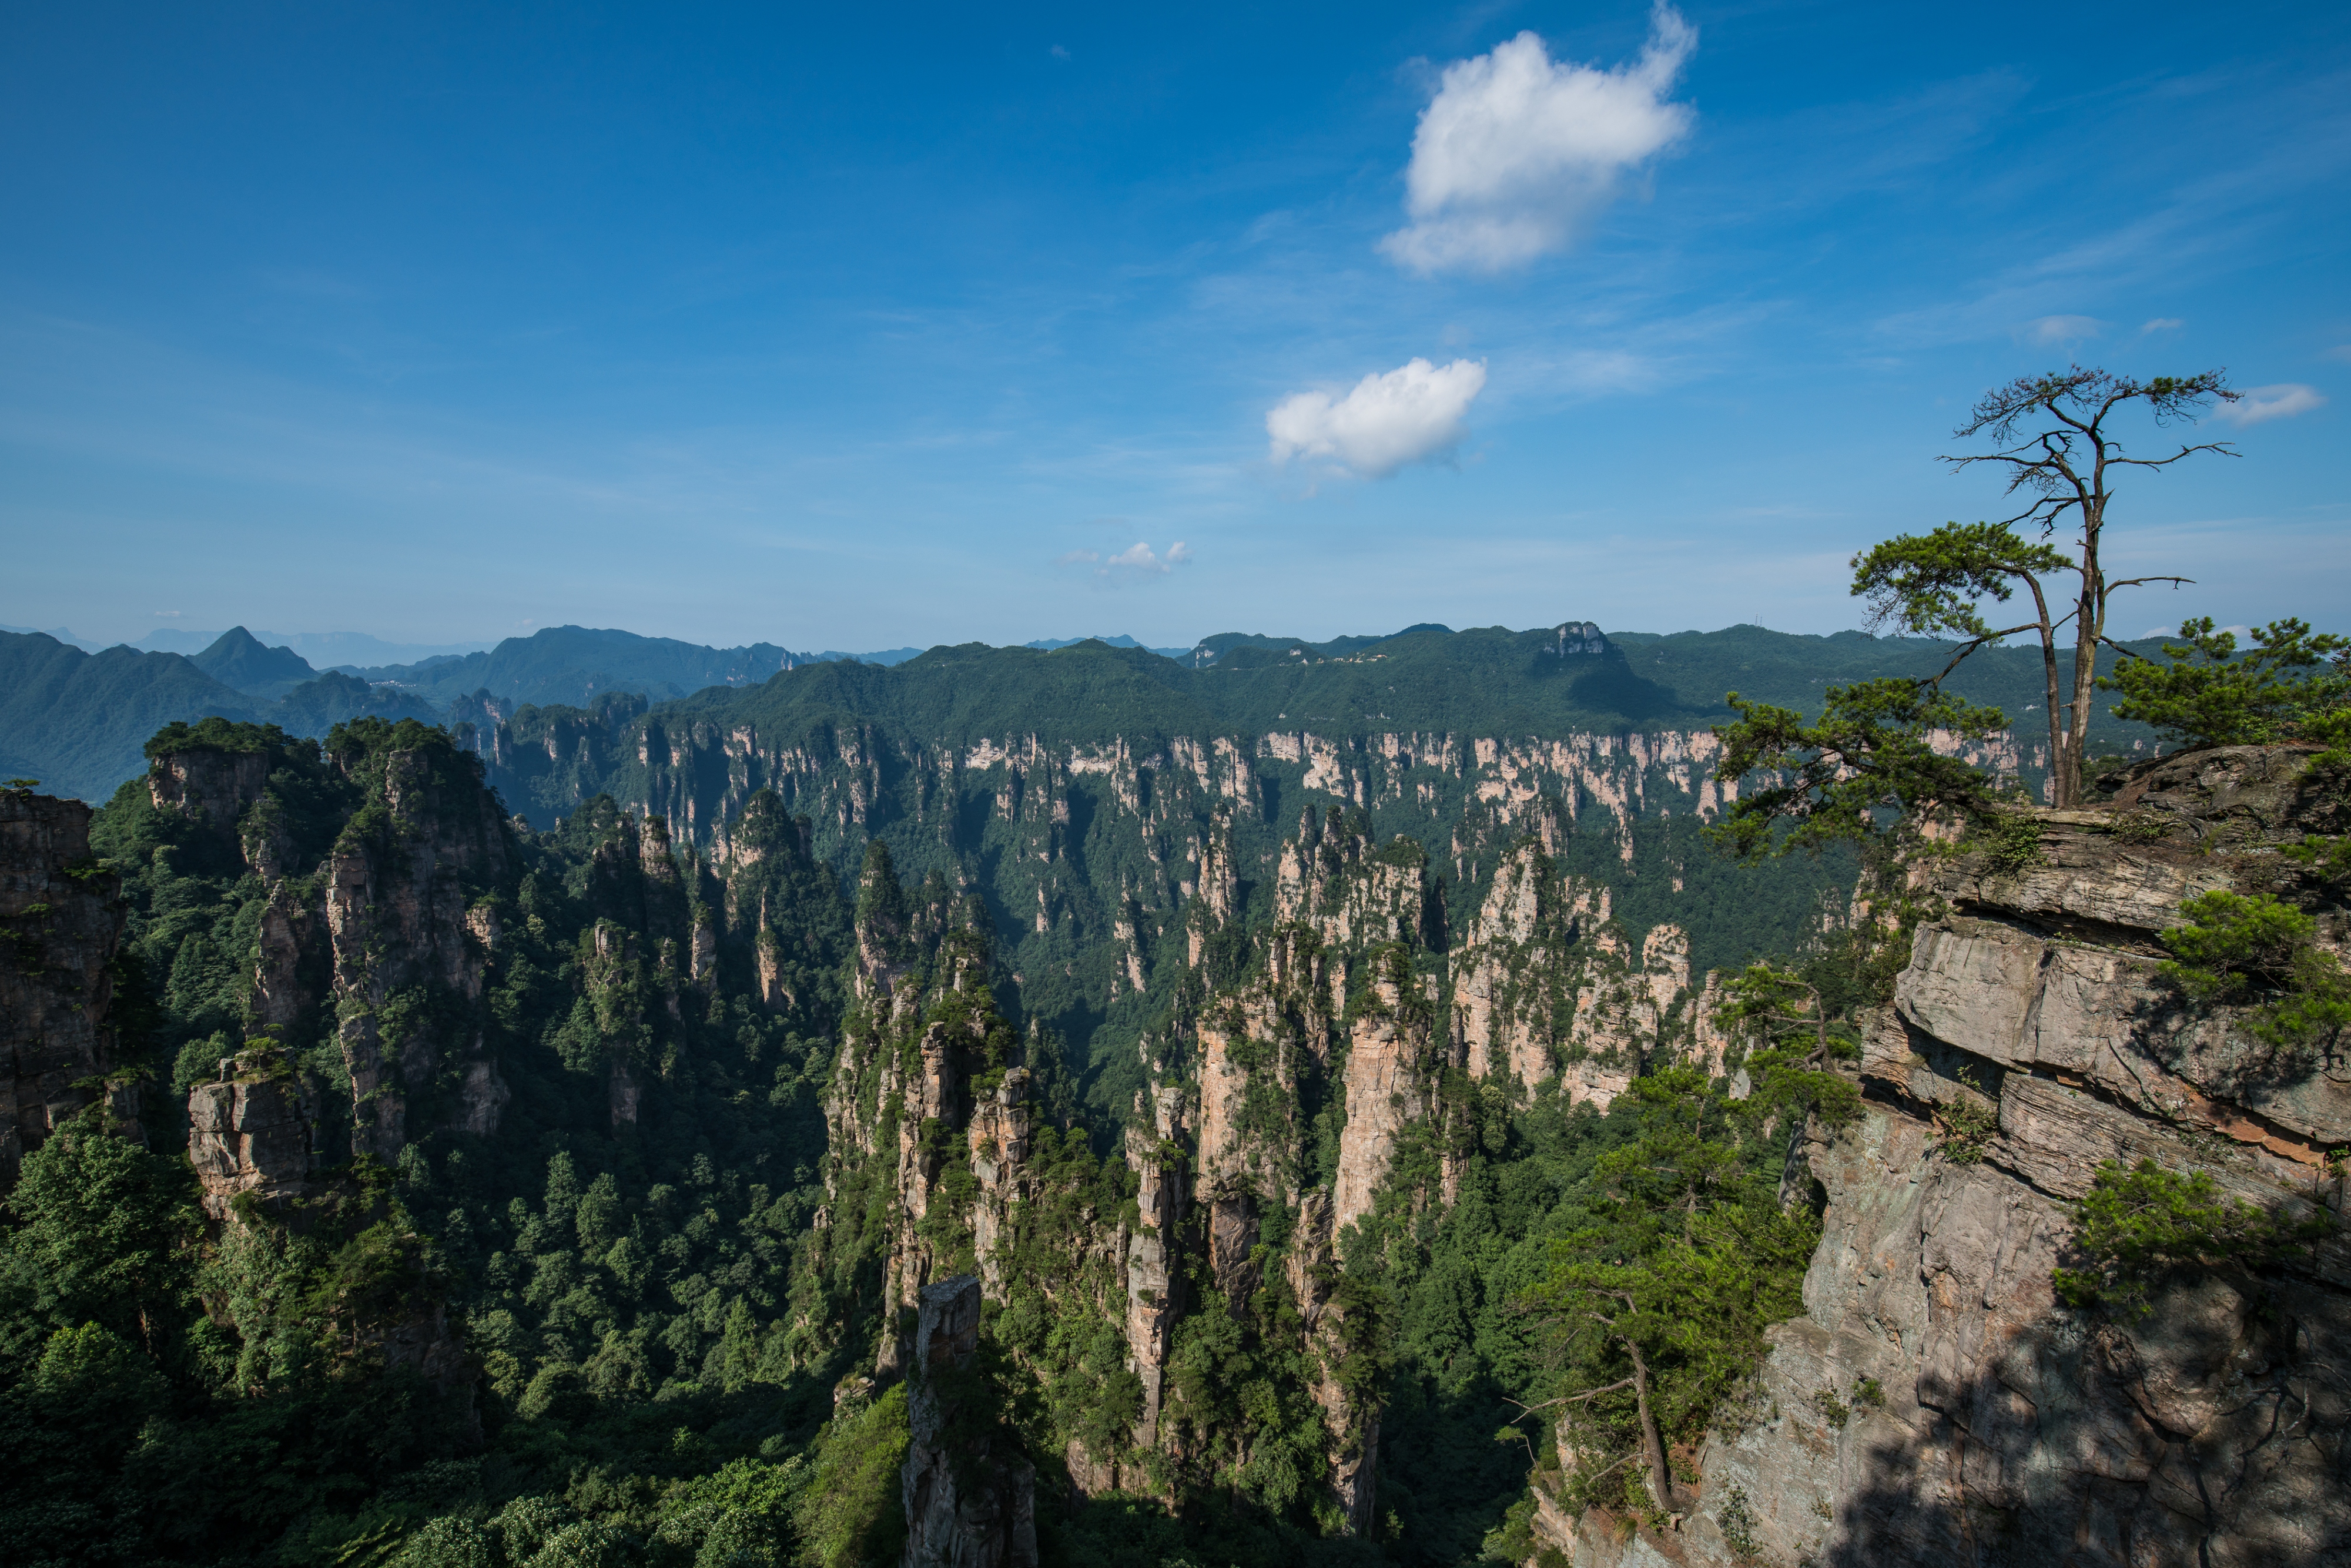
(2143,1227)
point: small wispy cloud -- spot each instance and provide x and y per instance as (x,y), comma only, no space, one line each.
(1516,151)
(2262,405)
(1137,562)
(2340,351)
(2162,324)
(1387,420)
(1060,53)
(1138,557)
(2051,330)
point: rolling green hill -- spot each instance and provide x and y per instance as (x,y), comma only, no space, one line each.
(573,663)
(237,659)
(1488,682)
(77,721)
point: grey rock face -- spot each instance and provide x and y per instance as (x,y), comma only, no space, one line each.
(251,1134)
(1936,1404)
(967,1506)
(60,923)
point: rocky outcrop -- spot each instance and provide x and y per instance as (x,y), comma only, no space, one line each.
(1154,1297)
(406,951)
(1505,995)
(252,1131)
(970,1498)
(1388,1079)
(1936,1403)
(60,924)
(210,786)
(1631,1013)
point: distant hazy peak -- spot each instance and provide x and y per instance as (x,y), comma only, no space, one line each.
(238,659)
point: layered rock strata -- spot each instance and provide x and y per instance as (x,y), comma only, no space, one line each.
(1937,1403)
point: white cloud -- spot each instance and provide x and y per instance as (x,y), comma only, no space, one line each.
(1136,562)
(1137,558)
(2162,324)
(2052,329)
(1515,151)
(2340,351)
(2260,403)
(1389,419)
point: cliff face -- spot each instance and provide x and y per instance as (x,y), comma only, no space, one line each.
(1286,1115)
(967,1505)
(60,924)
(1937,1404)
(254,1132)
(1111,839)
(408,938)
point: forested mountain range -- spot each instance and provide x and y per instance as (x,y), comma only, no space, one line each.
(1082,792)
(78,725)
(77,721)
(1077,1106)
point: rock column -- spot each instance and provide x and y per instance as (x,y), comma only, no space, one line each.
(970,1503)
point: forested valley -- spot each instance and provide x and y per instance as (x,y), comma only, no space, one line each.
(1056,1151)
(547,1201)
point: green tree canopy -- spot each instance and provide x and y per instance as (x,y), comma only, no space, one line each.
(2292,684)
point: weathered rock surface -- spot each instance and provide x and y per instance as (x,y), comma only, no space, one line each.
(397,914)
(970,1503)
(60,924)
(252,1133)
(1936,1403)
(210,786)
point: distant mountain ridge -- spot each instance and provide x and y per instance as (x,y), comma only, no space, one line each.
(77,719)
(238,659)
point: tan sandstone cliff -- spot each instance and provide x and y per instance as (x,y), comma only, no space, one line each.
(1937,1404)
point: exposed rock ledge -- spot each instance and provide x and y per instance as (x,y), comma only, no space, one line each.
(2010,1429)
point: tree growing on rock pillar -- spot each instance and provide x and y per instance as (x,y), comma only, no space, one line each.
(2050,436)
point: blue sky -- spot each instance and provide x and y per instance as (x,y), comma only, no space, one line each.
(847,328)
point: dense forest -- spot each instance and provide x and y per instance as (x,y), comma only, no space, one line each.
(585,1235)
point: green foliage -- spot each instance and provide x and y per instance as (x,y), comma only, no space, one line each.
(2008,841)
(1793,1069)
(850,1514)
(1736,1521)
(2142,1227)
(2235,949)
(216,734)
(2212,695)
(105,1235)
(1832,1407)
(1659,1304)
(1966,1124)
(1869,762)
(1933,585)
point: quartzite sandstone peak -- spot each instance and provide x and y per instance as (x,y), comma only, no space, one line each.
(1936,1403)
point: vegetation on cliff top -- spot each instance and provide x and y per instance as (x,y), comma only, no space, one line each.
(655,1325)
